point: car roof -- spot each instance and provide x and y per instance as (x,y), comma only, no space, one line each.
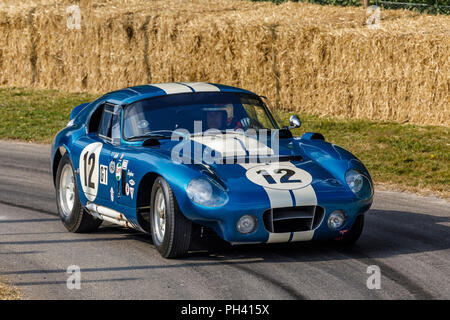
(132,94)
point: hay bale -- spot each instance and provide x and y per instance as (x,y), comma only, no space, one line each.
(317,59)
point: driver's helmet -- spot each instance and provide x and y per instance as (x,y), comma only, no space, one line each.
(218,116)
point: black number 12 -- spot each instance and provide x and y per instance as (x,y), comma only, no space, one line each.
(89,183)
(284,179)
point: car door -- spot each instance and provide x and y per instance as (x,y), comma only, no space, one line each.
(109,133)
(96,166)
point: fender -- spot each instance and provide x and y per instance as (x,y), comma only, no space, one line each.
(332,158)
(77,110)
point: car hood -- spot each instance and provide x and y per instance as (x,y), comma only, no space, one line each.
(229,148)
(236,156)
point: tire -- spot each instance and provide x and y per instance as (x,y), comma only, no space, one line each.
(352,236)
(169,228)
(73,217)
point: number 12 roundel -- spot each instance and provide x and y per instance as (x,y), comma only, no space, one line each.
(279,176)
(89,169)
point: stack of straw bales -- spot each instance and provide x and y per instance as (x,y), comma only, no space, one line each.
(322,60)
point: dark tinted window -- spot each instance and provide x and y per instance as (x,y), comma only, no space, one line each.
(209,109)
(104,128)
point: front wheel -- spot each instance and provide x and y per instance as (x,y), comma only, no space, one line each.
(169,228)
(71,212)
(350,237)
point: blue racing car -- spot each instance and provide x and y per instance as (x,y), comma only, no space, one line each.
(173,159)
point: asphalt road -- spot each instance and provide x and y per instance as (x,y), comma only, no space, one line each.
(406,236)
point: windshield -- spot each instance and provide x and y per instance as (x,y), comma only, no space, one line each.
(196,113)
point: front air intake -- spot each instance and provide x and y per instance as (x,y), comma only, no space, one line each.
(293,219)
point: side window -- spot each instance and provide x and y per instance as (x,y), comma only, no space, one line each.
(109,125)
(104,127)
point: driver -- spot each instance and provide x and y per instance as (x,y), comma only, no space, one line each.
(216,117)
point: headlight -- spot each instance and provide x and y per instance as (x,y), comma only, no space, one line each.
(358,183)
(206,192)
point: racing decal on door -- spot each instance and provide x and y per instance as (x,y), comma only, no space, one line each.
(89,169)
(104,175)
(119,171)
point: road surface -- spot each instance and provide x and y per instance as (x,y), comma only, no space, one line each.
(406,236)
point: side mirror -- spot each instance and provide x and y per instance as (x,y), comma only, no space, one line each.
(294,122)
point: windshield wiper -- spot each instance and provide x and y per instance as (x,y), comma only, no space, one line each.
(156,134)
(149,135)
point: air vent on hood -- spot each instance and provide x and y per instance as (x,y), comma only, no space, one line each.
(261,159)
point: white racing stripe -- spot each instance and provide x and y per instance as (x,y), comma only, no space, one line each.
(234,144)
(303,235)
(305,196)
(202,86)
(278,198)
(172,88)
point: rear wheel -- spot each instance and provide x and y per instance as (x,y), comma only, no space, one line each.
(169,228)
(72,214)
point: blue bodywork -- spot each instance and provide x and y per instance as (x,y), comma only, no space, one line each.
(325,162)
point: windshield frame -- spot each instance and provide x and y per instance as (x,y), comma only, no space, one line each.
(126,107)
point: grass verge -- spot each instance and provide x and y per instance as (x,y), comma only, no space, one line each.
(402,156)
(8,293)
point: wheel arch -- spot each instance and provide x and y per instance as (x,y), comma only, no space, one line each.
(143,199)
(57,157)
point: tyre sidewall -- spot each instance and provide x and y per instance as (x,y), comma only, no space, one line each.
(355,232)
(73,219)
(164,246)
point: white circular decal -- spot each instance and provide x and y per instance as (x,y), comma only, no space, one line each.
(279,176)
(89,168)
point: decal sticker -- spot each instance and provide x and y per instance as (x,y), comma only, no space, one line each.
(104,175)
(121,156)
(279,176)
(112,194)
(130,174)
(124,164)
(132,183)
(89,169)
(131,192)
(118,171)
(112,167)
(127,189)
(116,155)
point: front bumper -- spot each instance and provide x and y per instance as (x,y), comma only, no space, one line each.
(224,221)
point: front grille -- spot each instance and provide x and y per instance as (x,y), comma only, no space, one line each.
(293,219)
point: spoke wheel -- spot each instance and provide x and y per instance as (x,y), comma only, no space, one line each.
(67,190)
(169,228)
(160,215)
(71,212)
